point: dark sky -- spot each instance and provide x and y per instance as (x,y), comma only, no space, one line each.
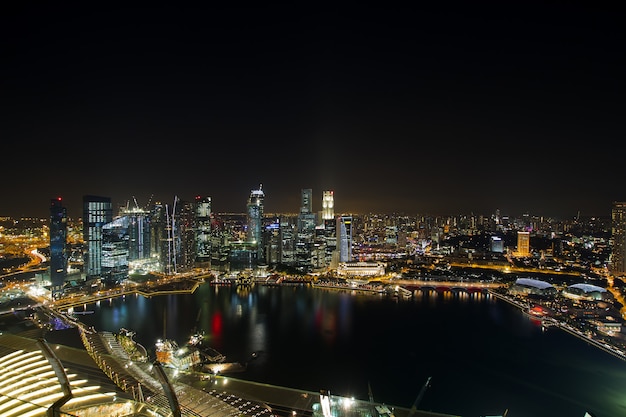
(462,107)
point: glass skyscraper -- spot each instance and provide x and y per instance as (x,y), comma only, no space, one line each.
(203,230)
(344,238)
(97,211)
(255,220)
(58,245)
(306,230)
(114,262)
(618,234)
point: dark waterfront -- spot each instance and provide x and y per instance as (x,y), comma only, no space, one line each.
(484,356)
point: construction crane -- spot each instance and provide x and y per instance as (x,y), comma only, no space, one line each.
(413,409)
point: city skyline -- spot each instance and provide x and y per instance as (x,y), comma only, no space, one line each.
(431,109)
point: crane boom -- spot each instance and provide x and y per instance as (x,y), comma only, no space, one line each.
(413,409)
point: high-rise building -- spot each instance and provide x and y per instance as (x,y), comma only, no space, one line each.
(344,238)
(306,230)
(523,243)
(170,248)
(330,240)
(186,235)
(203,231)
(139,233)
(114,265)
(219,244)
(255,220)
(618,236)
(158,235)
(58,245)
(307,201)
(288,234)
(328,205)
(97,211)
(497,244)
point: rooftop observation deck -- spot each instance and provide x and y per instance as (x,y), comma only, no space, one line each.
(137,387)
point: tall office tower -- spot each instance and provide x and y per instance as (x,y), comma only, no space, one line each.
(618,235)
(203,231)
(344,238)
(255,221)
(58,246)
(158,237)
(115,251)
(523,243)
(497,244)
(306,230)
(219,245)
(170,247)
(288,236)
(97,211)
(307,201)
(186,231)
(330,238)
(139,233)
(272,237)
(328,205)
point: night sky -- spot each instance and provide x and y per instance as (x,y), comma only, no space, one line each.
(452,108)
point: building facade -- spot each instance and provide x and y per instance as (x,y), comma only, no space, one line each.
(97,211)
(328,205)
(344,238)
(58,245)
(203,231)
(523,243)
(254,231)
(618,235)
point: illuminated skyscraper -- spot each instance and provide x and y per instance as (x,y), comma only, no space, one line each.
(203,231)
(171,248)
(306,230)
(497,244)
(618,236)
(58,245)
(523,243)
(329,228)
(344,238)
(139,233)
(97,211)
(114,265)
(186,235)
(255,220)
(307,201)
(328,205)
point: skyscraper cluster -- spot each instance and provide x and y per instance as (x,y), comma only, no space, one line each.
(176,238)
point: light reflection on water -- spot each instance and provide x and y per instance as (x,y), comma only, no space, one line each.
(483,355)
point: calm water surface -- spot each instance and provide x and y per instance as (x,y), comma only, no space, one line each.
(483,355)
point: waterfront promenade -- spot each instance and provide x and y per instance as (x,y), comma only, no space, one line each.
(188,285)
(552,322)
(426,308)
